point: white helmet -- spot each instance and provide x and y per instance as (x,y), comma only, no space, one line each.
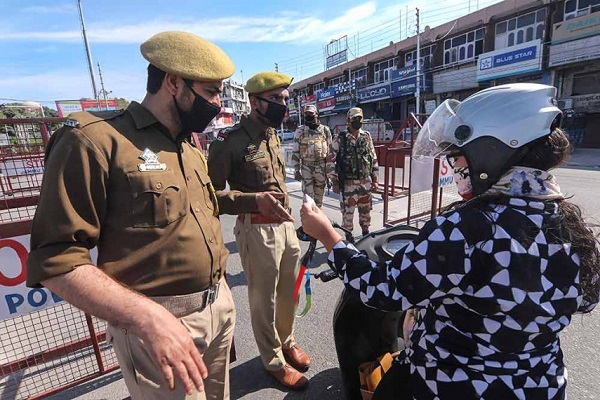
(491,128)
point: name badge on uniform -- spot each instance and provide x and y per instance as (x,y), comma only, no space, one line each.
(253,153)
(151,162)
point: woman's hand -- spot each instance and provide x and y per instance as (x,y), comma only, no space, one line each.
(316,224)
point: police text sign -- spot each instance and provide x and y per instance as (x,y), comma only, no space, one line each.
(15,297)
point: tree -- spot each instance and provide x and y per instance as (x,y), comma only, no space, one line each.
(50,112)
(122,103)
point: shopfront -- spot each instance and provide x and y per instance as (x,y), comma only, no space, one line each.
(333,103)
(374,100)
(575,57)
(403,89)
(458,83)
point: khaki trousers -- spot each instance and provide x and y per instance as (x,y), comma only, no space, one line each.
(270,255)
(212,331)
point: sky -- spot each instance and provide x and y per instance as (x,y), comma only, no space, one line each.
(43,57)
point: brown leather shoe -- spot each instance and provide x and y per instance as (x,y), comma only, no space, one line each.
(289,377)
(297,357)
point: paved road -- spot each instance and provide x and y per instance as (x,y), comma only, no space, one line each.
(581,341)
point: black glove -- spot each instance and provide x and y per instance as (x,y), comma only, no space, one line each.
(298,176)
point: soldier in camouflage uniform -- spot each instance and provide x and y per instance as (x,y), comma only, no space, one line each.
(352,167)
(309,158)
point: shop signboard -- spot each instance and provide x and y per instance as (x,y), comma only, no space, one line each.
(515,60)
(66,107)
(376,92)
(574,51)
(576,28)
(455,80)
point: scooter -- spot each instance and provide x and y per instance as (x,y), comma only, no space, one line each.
(363,333)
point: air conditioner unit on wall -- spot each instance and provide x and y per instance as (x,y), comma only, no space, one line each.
(565,104)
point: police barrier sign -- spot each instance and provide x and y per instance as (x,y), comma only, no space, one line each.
(421,175)
(15,297)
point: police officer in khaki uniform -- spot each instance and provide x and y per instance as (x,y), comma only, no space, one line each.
(353,169)
(248,157)
(129,184)
(309,157)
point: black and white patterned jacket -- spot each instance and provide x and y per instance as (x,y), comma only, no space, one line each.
(494,289)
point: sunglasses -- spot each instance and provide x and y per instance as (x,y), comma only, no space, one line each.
(451,158)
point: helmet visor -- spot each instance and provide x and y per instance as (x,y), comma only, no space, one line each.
(437,134)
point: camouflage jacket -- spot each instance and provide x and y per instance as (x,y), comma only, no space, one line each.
(310,145)
(355,157)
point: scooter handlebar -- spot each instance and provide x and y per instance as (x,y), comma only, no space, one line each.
(326,275)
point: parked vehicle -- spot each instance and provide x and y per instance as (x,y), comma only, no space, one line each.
(379,129)
(285,134)
(362,333)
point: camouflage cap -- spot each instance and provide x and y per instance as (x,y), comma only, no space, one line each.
(188,56)
(265,81)
(354,112)
(311,108)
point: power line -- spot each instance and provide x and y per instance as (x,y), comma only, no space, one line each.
(378,38)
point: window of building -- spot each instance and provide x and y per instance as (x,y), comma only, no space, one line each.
(586,83)
(336,81)
(521,29)
(464,47)
(360,75)
(303,92)
(383,69)
(317,87)
(577,8)
(426,57)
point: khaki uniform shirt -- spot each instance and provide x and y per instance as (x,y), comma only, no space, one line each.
(152,220)
(251,161)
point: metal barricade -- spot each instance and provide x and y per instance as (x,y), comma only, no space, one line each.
(414,192)
(46,345)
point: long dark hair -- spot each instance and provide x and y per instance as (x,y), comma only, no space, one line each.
(546,153)
(550,152)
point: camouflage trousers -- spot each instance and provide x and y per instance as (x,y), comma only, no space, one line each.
(357,194)
(314,180)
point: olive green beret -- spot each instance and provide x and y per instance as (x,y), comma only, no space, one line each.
(188,56)
(264,81)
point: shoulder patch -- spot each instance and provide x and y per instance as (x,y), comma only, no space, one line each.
(71,122)
(224,133)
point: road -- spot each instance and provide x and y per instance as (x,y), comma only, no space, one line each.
(580,341)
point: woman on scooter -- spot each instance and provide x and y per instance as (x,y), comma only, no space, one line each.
(497,277)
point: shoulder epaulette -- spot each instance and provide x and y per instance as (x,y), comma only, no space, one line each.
(84,118)
(107,114)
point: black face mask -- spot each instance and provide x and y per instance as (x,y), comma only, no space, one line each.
(356,124)
(275,112)
(199,115)
(311,121)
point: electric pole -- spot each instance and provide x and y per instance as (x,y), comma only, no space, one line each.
(102,89)
(89,54)
(418,89)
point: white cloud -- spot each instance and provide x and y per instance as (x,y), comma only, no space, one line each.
(285,27)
